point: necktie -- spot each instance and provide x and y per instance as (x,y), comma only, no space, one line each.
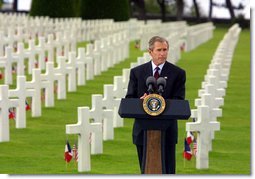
(156,74)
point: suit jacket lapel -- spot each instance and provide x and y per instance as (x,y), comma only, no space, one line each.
(165,70)
(148,70)
(165,73)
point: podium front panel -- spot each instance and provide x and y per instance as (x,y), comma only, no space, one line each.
(175,109)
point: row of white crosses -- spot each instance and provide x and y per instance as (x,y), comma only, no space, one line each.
(63,30)
(31,52)
(23,28)
(104,114)
(60,34)
(17,98)
(75,66)
(117,43)
(212,97)
(8,37)
(15,28)
(198,34)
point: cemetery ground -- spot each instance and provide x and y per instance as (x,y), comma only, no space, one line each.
(39,148)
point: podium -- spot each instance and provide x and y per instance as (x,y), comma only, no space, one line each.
(154,129)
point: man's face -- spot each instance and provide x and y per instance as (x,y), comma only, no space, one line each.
(159,53)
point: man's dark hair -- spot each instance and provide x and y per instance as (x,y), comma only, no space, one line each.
(157,39)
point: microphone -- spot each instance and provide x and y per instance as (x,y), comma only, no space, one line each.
(150,83)
(161,83)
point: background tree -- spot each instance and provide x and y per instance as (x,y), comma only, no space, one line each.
(140,6)
(55,8)
(105,9)
(230,8)
(228,4)
(196,9)
(180,7)
(1,3)
(15,5)
(162,6)
(210,10)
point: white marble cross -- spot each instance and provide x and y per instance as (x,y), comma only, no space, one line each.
(19,58)
(204,126)
(37,84)
(61,69)
(66,43)
(110,102)
(215,73)
(2,43)
(98,51)
(6,62)
(217,101)
(80,66)
(5,104)
(219,92)
(125,77)
(90,69)
(119,87)
(52,74)
(59,43)
(213,103)
(83,128)
(104,116)
(40,49)
(31,53)
(71,71)
(90,53)
(20,93)
(50,47)
(106,60)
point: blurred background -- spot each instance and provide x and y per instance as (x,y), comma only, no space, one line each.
(218,11)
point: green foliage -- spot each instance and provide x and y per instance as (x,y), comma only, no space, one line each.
(55,8)
(101,9)
(152,6)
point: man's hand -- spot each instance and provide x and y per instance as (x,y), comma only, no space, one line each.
(144,95)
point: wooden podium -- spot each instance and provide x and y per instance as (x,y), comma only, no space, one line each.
(154,129)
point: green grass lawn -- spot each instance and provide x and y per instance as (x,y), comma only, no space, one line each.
(39,148)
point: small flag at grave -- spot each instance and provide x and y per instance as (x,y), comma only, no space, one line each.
(27,106)
(75,153)
(195,147)
(1,75)
(187,154)
(68,152)
(190,137)
(11,114)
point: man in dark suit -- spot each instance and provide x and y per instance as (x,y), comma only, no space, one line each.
(175,89)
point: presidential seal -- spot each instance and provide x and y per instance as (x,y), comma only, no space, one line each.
(154,104)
